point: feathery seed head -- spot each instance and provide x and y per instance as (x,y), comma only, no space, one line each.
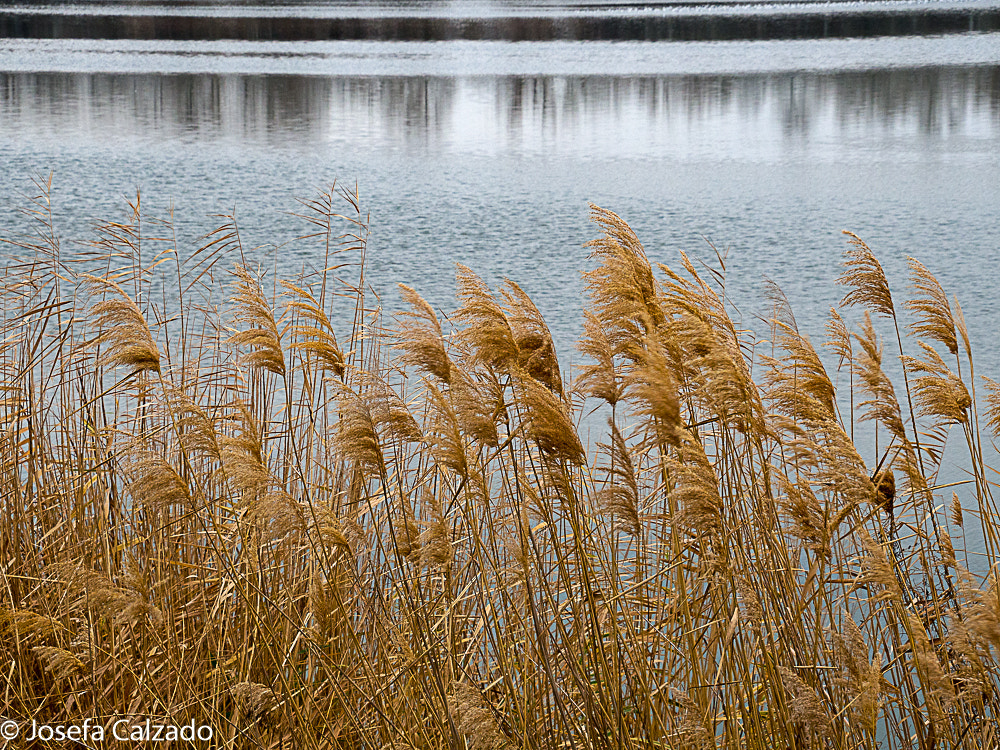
(938,392)
(957,516)
(650,382)
(254,701)
(839,338)
(446,437)
(620,498)
(155,483)
(696,490)
(600,379)
(808,521)
(549,423)
(406,534)
(24,626)
(123,331)
(420,338)
(623,289)
(477,404)
(487,331)
(262,338)
(876,570)
(882,404)
(313,332)
(387,409)
(931,308)
(806,708)
(356,437)
(474,719)
(866,279)
(797,383)
(993,405)
(58,662)
(536,353)
(242,455)
(435,547)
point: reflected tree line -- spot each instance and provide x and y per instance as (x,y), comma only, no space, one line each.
(434,111)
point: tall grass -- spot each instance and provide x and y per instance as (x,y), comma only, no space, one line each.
(221,503)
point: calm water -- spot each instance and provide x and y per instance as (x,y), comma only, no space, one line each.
(478,133)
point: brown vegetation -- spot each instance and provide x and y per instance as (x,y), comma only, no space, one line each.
(312,535)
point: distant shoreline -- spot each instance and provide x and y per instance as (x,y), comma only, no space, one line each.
(715,22)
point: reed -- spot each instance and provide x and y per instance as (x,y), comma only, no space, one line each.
(229,506)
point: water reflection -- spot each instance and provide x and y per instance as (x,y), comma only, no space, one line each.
(680,116)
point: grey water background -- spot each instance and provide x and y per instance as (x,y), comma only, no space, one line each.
(478,132)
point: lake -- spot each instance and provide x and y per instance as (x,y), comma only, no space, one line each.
(477,133)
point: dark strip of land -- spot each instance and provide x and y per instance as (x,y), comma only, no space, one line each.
(695,26)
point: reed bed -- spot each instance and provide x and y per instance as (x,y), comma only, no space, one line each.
(221,503)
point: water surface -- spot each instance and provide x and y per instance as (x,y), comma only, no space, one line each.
(485,150)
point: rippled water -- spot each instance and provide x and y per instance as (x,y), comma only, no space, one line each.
(486,151)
